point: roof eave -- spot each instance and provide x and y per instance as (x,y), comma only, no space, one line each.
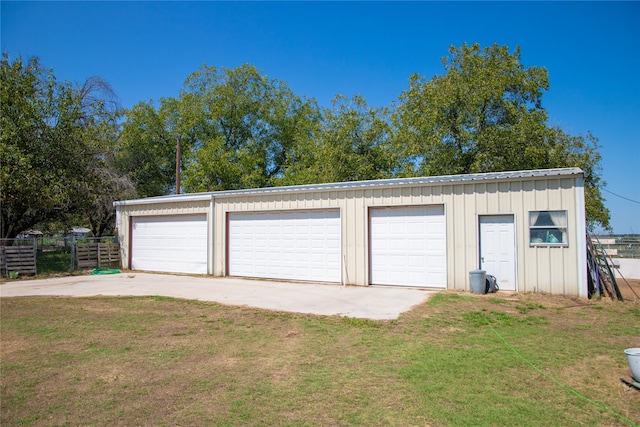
(396,182)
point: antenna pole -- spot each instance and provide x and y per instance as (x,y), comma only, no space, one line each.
(178,158)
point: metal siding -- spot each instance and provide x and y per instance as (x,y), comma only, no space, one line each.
(580,230)
(537,267)
(504,196)
(481,201)
(550,269)
(527,256)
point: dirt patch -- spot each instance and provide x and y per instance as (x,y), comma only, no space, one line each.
(159,361)
(630,289)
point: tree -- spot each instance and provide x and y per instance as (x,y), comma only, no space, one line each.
(108,186)
(146,150)
(352,143)
(485,114)
(53,135)
(241,128)
(238,130)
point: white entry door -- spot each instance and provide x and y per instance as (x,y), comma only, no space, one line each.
(293,245)
(498,249)
(408,246)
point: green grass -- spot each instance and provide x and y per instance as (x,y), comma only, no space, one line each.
(53,262)
(456,360)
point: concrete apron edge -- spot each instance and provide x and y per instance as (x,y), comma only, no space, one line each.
(367,302)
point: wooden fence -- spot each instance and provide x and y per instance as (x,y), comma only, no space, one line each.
(18,259)
(92,255)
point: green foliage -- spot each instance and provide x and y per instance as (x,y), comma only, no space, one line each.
(54,142)
(64,152)
(28,103)
(352,144)
(146,152)
(482,115)
(238,129)
(485,114)
(244,128)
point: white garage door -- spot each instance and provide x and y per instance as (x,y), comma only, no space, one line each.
(175,244)
(294,245)
(408,246)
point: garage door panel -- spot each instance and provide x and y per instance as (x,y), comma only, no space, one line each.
(408,246)
(301,245)
(175,244)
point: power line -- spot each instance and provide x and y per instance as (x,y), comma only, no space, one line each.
(622,197)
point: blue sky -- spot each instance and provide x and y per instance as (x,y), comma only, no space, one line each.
(147,49)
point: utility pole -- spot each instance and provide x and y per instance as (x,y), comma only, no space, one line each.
(178,159)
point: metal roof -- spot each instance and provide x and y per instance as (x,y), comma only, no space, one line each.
(395,182)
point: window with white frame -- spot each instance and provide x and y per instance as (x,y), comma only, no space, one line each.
(548,228)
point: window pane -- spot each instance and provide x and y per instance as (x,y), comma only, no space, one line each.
(548,227)
(544,219)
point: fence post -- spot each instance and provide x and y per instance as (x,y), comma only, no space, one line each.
(35,255)
(73,252)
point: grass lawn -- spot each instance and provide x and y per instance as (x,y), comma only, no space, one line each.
(51,262)
(458,359)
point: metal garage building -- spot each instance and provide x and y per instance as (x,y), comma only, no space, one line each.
(527,228)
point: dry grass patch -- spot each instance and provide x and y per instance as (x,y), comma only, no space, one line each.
(450,361)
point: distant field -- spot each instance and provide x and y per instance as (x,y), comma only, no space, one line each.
(525,360)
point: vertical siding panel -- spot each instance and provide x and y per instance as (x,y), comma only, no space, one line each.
(503,204)
(543,201)
(360,256)
(387,196)
(571,285)
(219,236)
(436,194)
(557,261)
(481,198)
(492,198)
(516,207)
(470,231)
(529,275)
(456,255)
(377,197)
(417,195)
(449,209)
(439,194)
(543,265)
(574,284)
(349,226)
(404,197)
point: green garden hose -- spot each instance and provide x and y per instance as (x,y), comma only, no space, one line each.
(106,271)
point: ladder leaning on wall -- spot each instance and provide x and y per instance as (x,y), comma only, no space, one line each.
(602,280)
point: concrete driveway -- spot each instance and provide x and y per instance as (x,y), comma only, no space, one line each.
(373,302)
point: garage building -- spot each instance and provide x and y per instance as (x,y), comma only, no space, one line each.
(527,228)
